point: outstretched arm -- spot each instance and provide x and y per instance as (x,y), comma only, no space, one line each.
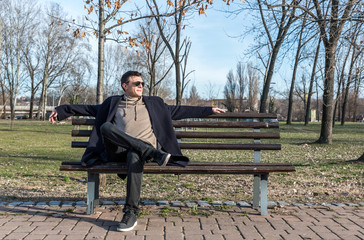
(65,111)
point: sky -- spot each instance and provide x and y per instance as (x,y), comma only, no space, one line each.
(214,52)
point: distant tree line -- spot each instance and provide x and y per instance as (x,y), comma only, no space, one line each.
(44,52)
(323,41)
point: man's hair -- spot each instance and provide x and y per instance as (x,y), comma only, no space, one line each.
(125,77)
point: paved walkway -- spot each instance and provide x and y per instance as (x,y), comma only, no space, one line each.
(172,223)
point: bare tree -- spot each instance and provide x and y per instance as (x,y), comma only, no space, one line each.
(32,63)
(356,53)
(357,85)
(283,19)
(194,97)
(17,27)
(253,87)
(179,49)
(302,41)
(340,80)
(310,88)
(331,26)
(211,90)
(58,50)
(242,82)
(2,82)
(111,18)
(230,92)
(154,55)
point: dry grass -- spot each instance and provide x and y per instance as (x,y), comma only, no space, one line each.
(31,153)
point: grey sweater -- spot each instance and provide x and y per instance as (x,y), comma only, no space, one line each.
(132,117)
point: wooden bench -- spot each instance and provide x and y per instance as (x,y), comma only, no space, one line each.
(228,131)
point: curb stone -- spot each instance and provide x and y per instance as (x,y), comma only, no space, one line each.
(176,203)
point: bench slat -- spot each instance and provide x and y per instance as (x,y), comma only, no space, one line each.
(223,146)
(81,133)
(227,115)
(234,135)
(202,124)
(244,115)
(210,146)
(192,168)
(209,124)
(183,134)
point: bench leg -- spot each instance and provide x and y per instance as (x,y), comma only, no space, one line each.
(92,192)
(256,191)
(264,194)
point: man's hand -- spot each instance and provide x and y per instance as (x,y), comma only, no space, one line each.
(218,110)
(53,117)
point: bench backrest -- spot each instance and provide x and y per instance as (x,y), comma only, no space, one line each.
(227,131)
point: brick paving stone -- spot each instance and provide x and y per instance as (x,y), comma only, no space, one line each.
(75,236)
(210,227)
(154,237)
(189,232)
(54,237)
(96,235)
(214,237)
(233,236)
(323,232)
(194,237)
(173,229)
(15,236)
(264,229)
(174,236)
(37,218)
(134,238)
(35,236)
(24,229)
(248,232)
(113,235)
(158,232)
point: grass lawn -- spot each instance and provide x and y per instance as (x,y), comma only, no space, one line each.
(31,153)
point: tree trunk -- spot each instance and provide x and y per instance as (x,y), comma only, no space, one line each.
(283,29)
(266,87)
(330,39)
(178,22)
(291,90)
(31,106)
(101,55)
(340,82)
(328,96)
(297,59)
(356,95)
(313,74)
(346,97)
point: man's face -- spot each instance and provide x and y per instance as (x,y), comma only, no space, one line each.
(131,89)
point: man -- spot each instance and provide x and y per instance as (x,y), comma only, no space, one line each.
(135,129)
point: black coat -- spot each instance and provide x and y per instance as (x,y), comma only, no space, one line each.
(161,116)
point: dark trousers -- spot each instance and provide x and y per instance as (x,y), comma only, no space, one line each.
(122,147)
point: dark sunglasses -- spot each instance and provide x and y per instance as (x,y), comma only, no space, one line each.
(137,83)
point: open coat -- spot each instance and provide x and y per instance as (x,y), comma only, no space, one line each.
(161,116)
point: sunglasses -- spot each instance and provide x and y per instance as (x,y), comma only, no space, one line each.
(137,83)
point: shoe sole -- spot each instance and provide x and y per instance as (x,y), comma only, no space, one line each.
(166,160)
(126,229)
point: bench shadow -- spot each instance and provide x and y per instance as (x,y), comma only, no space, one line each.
(63,213)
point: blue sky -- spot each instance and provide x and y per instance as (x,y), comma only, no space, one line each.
(213,52)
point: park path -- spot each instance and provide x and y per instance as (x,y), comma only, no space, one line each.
(290,222)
